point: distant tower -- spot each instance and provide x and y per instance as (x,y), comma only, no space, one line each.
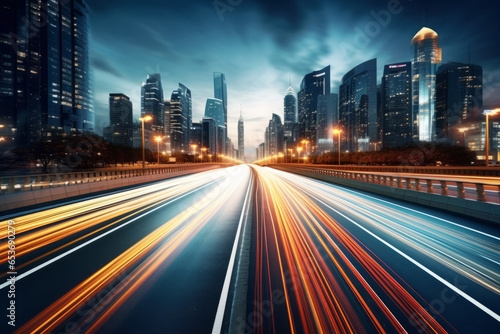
(425,57)
(220,92)
(291,126)
(241,138)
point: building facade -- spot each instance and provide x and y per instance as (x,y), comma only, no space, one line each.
(179,140)
(241,138)
(425,57)
(313,85)
(220,92)
(209,135)
(291,126)
(121,119)
(327,119)
(396,105)
(459,94)
(358,108)
(45,83)
(152,105)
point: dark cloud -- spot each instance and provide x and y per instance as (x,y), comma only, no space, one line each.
(102,64)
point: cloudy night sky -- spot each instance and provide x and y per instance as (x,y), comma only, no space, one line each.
(258,44)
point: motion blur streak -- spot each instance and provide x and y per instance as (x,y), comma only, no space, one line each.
(321,288)
(139,262)
(468,254)
(53,225)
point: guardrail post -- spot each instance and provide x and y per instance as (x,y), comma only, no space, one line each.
(480,192)
(408,183)
(26,184)
(444,188)
(11,187)
(460,190)
(430,188)
(399,182)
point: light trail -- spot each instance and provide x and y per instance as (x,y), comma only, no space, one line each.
(151,254)
(323,290)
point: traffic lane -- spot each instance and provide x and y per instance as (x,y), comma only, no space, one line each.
(184,293)
(49,283)
(303,280)
(467,258)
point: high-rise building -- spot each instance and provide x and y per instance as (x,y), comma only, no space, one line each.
(189,106)
(179,140)
(220,92)
(45,85)
(196,135)
(214,108)
(327,119)
(261,151)
(275,136)
(166,126)
(241,138)
(358,107)
(152,105)
(313,85)
(459,94)
(209,135)
(291,126)
(121,119)
(425,57)
(221,144)
(396,105)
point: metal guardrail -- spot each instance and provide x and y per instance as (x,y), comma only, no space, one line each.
(448,187)
(14,184)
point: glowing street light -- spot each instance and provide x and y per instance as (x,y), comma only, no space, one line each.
(158,140)
(305,142)
(194,146)
(203,152)
(291,154)
(299,149)
(463,131)
(210,156)
(146,118)
(488,113)
(338,132)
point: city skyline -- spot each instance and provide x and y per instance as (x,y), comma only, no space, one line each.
(304,46)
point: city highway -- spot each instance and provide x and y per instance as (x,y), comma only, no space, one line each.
(164,257)
(326,259)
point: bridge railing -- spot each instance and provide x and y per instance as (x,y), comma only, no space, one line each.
(483,192)
(14,184)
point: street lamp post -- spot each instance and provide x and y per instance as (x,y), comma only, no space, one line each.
(144,119)
(463,131)
(338,132)
(299,149)
(306,142)
(158,140)
(291,154)
(203,152)
(194,146)
(488,113)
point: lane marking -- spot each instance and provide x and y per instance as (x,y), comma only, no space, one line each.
(219,317)
(45,264)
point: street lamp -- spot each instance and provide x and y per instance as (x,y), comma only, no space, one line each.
(338,132)
(299,149)
(463,131)
(158,140)
(210,156)
(146,118)
(194,151)
(488,113)
(306,142)
(203,151)
(280,155)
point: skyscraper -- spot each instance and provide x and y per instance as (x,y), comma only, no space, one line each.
(166,126)
(121,119)
(241,138)
(291,126)
(327,119)
(189,106)
(44,65)
(209,135)
(152,105)
(220,92)
(425,57)
(313,85)
(214,108)
(459,93)
(396,105)
(179,141)
(358,107)
(274,134)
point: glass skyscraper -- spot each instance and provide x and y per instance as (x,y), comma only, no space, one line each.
(45,86)
(220,92)
(241,138)
(459,94)
(179,141)
(313,85)
(327,119)
(152,105)
(396,105)
(121,119)
(358,107)
(425,57)
(291,125)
